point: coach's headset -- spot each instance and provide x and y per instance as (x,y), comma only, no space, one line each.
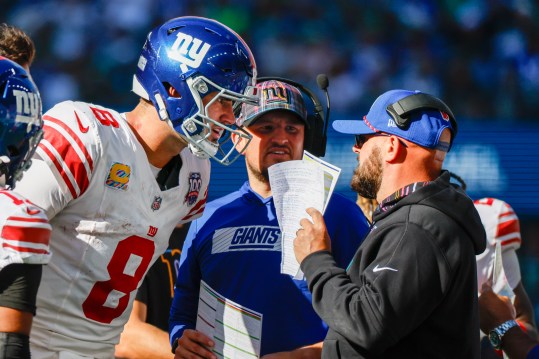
(317,124)
(401,110)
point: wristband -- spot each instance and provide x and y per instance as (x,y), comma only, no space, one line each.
(174,345)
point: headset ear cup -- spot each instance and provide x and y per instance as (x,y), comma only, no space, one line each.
(315,142)
(308,138)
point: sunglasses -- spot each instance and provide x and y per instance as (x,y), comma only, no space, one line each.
(361,139)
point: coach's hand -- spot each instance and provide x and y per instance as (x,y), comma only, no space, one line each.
(194,344)
(312,236)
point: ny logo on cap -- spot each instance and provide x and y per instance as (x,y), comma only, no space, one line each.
(275,94)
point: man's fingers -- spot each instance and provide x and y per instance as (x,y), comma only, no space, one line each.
(304,223)
(194,344)
(486,287)
(198,337)
(314,213)
(195,352)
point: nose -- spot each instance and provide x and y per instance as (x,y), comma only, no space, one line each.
(227,116)
(279,135)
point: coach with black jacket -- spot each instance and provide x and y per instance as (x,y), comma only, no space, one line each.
(411,288)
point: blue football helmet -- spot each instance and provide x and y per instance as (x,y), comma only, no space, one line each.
(21,125)
(197,56)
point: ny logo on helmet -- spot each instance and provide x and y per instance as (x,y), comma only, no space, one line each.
(188,51)
(27,106)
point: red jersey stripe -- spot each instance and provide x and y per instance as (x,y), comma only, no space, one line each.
(67,152)
(26,249)
(506,228)
(27,234)
(486,201)
(17,200)
(76,138)
(191,214)
(199,204)
(512,240)
(65,147)
(60,169)
(507,214)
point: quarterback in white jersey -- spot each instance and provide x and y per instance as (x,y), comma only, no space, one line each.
(110,221)
(502,226)
(115,185)
(24,228)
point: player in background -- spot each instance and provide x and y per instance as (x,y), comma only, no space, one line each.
(235,247)
(24,228)
(115,185)
(502,225)
(17,46)
(145,334)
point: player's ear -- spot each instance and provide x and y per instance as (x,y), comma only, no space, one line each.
(173,92)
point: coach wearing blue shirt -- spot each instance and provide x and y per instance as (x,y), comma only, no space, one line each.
(235,246)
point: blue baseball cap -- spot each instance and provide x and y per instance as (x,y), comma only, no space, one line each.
(425,122)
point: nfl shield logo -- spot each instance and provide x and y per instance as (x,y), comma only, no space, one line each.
(156,203)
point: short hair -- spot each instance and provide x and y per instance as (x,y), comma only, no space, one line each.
(16,45)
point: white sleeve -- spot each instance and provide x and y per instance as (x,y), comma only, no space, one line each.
(64,161)
(511,267)
(39,185)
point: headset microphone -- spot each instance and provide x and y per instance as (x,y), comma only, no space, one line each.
(323,83)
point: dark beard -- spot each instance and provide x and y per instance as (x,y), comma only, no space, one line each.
(367,179)
(260,176)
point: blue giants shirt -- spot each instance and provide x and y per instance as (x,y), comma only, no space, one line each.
(235,247)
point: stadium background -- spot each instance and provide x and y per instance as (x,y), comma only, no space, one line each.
(480,56)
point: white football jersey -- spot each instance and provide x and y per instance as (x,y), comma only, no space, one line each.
(501,225)
(24,231)
(110,222)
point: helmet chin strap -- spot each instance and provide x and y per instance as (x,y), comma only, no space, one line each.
(162,109)
(203,148)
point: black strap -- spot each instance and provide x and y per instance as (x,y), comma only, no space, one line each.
(169,176)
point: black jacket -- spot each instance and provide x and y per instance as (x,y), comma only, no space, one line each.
(411,289)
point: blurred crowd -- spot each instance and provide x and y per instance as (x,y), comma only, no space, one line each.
(481,56)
